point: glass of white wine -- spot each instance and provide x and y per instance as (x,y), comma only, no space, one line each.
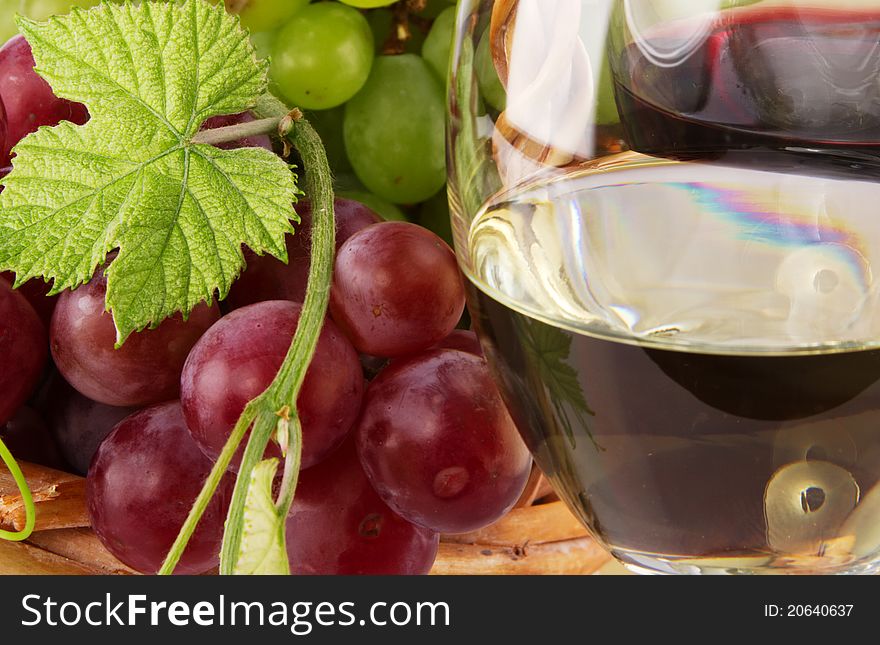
(667,212)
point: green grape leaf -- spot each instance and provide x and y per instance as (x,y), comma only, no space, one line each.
(549,349)
(131,178)
(262,550)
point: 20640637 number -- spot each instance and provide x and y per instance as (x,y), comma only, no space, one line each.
(803,611)
(819,610)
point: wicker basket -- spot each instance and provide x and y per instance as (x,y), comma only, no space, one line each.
(540,536)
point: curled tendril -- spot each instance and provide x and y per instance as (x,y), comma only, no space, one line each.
(27,498)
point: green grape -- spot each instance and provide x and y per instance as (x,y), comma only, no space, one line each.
(264,42)
(368,4)
(36,10)
(491,88)
(347,182)
(268,15)
(606,108)
(395,133)
(7,21)
(434,216)
(439,43)
(328,124)
(322,57)
(385,209)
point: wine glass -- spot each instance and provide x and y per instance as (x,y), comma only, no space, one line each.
(667,214)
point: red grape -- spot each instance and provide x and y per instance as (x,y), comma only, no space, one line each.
(141,486)
(438,444)
(237,360)
(463,340)
(79,424)
(396,289)
(145,370)
(22,351)
(28,99)
(257,141)
(28,439)
(35,292)
(267,278)
(339,526)
(3,157)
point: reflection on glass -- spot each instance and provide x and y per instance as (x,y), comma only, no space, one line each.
(666,210)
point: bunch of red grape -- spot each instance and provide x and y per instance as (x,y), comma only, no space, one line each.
(404,434)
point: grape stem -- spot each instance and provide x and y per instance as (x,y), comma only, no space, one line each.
(26,497)
(229,133)
(292,464)
(403,14)
(280,398)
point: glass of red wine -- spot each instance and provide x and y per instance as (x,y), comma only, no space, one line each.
(667,212)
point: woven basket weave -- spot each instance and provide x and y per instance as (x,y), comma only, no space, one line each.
(540,536)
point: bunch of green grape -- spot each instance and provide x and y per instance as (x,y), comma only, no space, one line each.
(380,113)
(35,9)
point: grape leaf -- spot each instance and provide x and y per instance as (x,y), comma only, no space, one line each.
(131,178)
(262,550)
(549,349)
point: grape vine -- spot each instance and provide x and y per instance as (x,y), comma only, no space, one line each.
(26,497)
(276,408)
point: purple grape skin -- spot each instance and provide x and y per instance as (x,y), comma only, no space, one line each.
(141,486)
(28,439)
(268,278)
(339,526)
(237,360)
(79,425)
(35,292)
(23,351)
(28,99)
(462,340)
(4,160)
(145,370)
(438,444)
(396,290)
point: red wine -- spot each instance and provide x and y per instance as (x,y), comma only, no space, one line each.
(682,459)
(783,77)
(687,331)
(690,350)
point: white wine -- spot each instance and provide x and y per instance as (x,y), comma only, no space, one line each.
(692,352)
